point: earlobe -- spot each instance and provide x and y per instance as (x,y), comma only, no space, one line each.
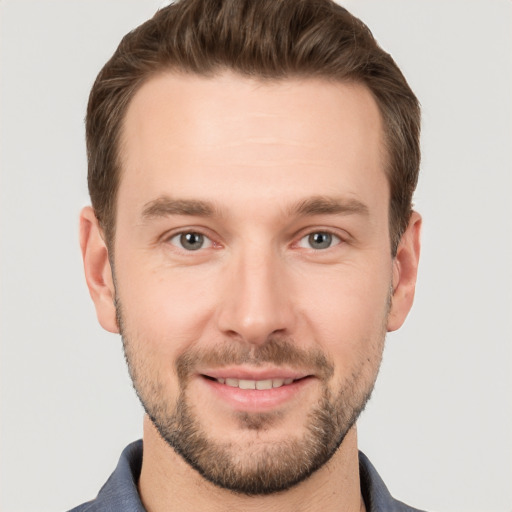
(98,273)
(405,269)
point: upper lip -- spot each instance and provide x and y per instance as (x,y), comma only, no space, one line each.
(254,373)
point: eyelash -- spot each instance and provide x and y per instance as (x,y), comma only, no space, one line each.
(335,239)
(179,245)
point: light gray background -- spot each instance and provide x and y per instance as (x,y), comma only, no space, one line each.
(439,425)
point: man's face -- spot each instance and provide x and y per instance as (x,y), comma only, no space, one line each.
(253,269)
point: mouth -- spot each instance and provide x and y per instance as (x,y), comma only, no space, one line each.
(262,385)
(256,390)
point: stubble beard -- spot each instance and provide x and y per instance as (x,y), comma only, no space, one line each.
(255,468)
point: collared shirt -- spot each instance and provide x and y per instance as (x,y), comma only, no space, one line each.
(119,494)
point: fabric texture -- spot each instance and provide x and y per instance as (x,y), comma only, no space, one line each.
(119,494)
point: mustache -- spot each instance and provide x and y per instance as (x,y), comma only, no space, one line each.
(277,350)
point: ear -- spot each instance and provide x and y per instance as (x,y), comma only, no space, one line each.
(405,269)
(98,273)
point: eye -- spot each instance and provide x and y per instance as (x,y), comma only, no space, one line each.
(319,240)
(190,241)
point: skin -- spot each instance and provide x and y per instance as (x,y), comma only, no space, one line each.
(253,151)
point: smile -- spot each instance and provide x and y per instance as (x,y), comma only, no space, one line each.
(255,384)
(251,390)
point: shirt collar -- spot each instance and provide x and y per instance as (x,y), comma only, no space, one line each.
(120,491)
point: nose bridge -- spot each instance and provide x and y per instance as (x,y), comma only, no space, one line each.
(256,301)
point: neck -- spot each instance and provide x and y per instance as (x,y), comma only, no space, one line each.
(168,483)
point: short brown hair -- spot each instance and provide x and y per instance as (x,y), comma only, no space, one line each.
(267,39)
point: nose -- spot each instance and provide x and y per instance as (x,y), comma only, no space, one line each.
(257,299)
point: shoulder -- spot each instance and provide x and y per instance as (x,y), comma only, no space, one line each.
(376,496)
(119,494)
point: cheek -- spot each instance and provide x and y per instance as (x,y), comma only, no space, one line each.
(166,309)
(347,311)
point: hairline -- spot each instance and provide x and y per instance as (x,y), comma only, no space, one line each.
(217,71)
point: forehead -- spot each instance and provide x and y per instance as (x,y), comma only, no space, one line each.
(194,136)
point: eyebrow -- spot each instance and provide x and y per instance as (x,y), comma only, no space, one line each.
(322,205)
(164,206)
(316,205)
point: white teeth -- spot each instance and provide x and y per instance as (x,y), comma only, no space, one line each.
(264,384)
(247,384)
(255,384)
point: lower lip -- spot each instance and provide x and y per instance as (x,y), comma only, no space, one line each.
(252,400)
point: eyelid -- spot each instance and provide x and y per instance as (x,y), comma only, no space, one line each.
(342,237)
(207,243)
(167,238)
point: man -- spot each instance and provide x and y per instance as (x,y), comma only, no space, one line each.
(251,237)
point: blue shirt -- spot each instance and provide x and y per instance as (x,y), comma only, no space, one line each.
(119,494)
